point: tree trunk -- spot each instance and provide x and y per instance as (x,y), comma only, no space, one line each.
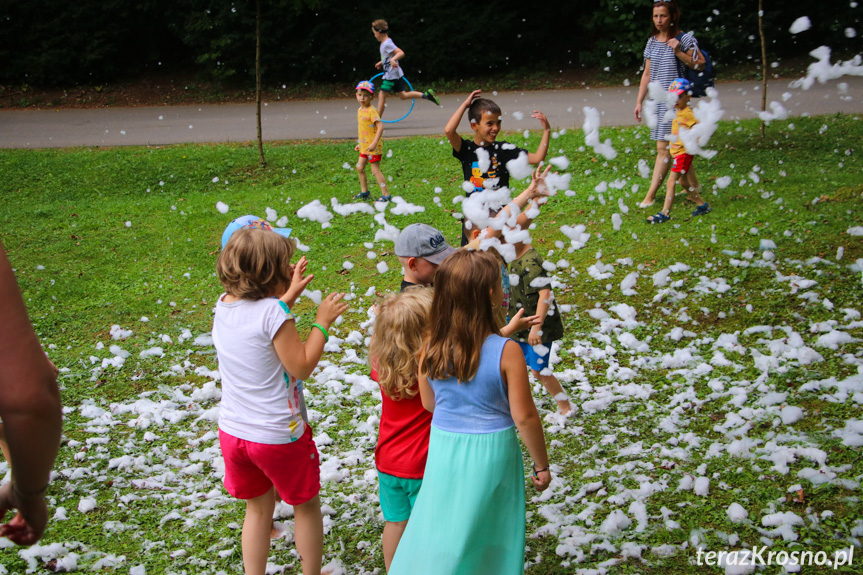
(258,79)
(763,62)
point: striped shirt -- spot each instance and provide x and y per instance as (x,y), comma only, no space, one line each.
(665,67)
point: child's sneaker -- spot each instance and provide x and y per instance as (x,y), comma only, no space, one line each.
(363,196)
(702,209)
(430,95)
(384,199)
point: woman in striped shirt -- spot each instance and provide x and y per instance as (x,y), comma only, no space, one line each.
(666,53)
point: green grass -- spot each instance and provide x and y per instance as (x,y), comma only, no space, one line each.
(81,269)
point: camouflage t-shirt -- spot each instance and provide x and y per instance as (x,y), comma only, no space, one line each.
(529,268)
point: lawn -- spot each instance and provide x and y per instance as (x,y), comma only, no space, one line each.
(714,362)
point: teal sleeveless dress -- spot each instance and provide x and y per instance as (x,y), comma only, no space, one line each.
(469,517)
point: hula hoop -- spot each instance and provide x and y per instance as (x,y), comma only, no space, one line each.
(413,101)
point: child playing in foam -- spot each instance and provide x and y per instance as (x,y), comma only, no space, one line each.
(682,168)
(403,439)
(263,431)
(470,514)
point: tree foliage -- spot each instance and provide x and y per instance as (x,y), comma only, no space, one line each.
(55,42)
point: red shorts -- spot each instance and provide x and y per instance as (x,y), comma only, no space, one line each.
(251,469)
(681,163)
(372,158)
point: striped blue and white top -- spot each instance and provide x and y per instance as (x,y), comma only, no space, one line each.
(665,67)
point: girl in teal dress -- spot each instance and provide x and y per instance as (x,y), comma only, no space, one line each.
(469,517)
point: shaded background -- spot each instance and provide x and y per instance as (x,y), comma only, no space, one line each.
(62,43)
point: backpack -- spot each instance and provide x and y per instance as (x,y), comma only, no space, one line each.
(700,79)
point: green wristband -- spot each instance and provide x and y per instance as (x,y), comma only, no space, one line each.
(323,331)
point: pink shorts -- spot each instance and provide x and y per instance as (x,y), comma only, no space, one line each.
(251,469)
(681,163)
(372,158)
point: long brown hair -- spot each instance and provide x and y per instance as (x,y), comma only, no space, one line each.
(400,325)
(461,315)
(673,15)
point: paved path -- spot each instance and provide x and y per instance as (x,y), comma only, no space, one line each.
(336,119)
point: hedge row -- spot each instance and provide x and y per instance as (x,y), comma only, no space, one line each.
(57,42)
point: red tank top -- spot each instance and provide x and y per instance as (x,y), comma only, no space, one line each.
(403,438)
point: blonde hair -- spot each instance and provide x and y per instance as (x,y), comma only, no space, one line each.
(400,325)
(380,26)
(255,263)
(462,312)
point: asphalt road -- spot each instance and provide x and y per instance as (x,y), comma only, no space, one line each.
(336,119)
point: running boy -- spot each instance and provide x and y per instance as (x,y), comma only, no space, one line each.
(370,142)
(532,294)
(487,168)
(392,78)
(682,161)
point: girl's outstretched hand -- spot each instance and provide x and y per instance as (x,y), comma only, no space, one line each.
(519,322)
(330,309)
(299,281)
(541,480)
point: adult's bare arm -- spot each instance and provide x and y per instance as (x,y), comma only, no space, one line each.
(32,415)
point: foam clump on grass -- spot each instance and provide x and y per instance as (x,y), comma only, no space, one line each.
(316,212)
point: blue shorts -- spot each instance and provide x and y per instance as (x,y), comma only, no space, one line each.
(397,496)
(535,361)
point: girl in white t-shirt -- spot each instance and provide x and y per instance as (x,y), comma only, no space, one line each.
(265,439)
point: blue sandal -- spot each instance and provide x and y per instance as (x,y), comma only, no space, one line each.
(363,196)
(659,218)
(702,209)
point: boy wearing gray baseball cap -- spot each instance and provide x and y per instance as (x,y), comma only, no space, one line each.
(421,249)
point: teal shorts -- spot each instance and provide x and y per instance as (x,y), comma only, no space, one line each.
(393,85)
(397,496)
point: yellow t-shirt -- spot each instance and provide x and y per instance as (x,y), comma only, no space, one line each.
(366,120)
(684,118)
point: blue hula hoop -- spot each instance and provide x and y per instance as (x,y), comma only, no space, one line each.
(413,101)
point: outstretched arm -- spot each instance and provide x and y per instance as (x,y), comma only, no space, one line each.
(31,411)
(451,128)
(542,150)
(536,190)
(300,359)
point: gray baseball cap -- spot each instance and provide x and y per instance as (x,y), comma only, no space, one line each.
(423,241)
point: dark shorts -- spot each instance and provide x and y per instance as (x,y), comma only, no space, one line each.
(393,85)
(682,162)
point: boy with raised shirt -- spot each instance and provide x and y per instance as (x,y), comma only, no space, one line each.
(392,72)
(483,159)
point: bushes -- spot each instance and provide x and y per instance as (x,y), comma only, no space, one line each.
(63,43)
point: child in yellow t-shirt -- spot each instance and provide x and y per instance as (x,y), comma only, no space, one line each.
(370,142)
(682,166)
